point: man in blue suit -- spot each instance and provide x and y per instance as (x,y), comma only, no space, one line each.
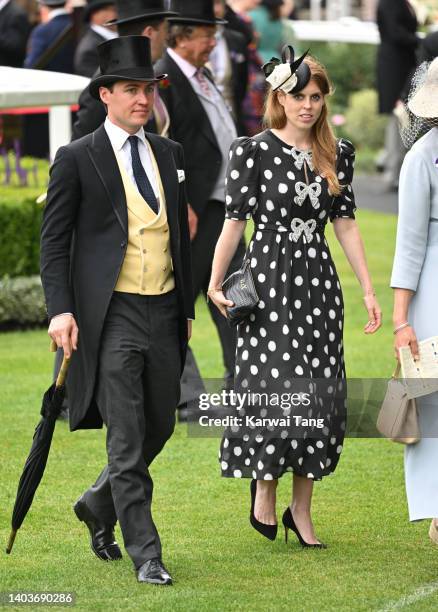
(55,20)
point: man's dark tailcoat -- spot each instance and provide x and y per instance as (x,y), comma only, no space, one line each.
(83,244)
(86,60)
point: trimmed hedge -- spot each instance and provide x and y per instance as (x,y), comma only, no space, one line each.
(20,223)
(20,215)
(22,303)
(363,125)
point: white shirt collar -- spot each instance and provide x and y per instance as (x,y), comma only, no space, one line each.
(119,136)
(3,3)
(106,33)
(186,67)
(57,13)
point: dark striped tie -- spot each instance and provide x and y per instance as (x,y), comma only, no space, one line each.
(141,178)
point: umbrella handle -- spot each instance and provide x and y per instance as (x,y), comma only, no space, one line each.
(63,372)
(62,375)
(11,541)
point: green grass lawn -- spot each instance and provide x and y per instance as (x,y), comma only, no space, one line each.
(375,557)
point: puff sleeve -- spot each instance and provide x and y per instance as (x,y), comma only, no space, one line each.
(242,182)
(344,205)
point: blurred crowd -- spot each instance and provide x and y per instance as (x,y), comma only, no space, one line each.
(60,36)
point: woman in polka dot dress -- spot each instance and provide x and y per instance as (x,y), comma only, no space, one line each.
(290,179)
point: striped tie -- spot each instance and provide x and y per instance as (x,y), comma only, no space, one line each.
(200,77)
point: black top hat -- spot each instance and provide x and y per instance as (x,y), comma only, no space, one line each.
(52,2)
(272,3)
(137,10)
(127,58)
(195,12)
(95,5)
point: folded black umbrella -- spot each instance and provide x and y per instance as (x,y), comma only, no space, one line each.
(36,462)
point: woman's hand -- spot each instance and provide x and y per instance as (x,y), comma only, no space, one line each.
(406,337)
(374,314)
(219,300)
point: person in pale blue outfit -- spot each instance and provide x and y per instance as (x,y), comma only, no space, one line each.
(415,283)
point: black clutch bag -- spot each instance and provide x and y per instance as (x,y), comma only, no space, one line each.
(240,289)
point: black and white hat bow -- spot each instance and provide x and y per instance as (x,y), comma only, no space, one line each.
(288,74)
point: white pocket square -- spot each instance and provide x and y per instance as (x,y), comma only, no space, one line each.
(181,176)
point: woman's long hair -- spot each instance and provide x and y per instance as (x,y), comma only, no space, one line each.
(323,138)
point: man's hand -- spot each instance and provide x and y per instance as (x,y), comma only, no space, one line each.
(64,331)
(189,329)
(193,222)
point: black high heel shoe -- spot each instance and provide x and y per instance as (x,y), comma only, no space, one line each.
(269,531)
(289,523)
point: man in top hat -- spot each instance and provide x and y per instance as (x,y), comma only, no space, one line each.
(55,19)
(115,267)
(204,125)
(96,14)
(135,17)
(229,65)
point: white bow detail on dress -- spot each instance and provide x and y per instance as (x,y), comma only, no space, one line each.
(300,157)
(313,191)
(299,227)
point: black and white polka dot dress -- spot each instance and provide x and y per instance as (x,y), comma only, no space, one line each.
(292,343)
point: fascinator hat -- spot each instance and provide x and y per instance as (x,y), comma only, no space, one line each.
(421,108)
(288,74)
(424,101)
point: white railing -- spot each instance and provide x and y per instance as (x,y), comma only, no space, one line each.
(21,88)
(346,29)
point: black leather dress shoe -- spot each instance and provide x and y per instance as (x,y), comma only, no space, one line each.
(191,413)
(154,572)
(102,539)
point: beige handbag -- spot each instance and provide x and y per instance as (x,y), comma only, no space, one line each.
(398,417)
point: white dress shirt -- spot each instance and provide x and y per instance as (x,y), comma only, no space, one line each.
(106,33)
(119,141)
(57,12)
(186,67)
(3,3)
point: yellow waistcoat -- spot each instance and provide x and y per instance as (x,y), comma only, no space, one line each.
(147,268)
